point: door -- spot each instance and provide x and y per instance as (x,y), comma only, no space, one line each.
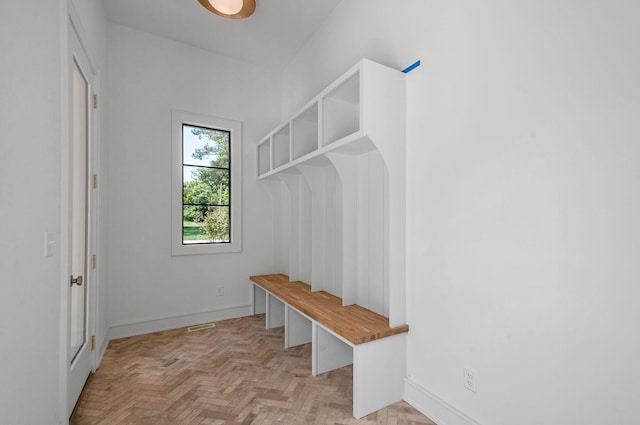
(79,349)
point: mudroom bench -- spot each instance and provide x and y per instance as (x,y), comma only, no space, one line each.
(339,336)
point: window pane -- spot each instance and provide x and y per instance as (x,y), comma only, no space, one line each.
(205,146)
(202,185)
(205,190)
(205,224)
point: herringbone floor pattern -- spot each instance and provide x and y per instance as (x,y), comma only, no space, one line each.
(235,373)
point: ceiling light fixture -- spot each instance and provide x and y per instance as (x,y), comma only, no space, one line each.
(232,9)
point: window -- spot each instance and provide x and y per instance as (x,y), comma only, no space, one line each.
(205,184)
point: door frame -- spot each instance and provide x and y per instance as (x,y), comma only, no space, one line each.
(72,25)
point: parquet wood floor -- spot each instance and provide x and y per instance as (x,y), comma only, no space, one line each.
(234,373)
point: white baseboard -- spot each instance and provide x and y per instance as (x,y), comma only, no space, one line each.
(433,407)
(163,324)
(102,348)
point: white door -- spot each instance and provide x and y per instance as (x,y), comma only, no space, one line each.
(80,85)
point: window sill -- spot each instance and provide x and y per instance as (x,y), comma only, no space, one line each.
(204,249)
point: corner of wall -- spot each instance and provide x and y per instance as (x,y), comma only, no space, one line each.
(158,324)
(102,348)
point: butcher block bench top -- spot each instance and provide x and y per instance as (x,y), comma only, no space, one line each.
(354,323)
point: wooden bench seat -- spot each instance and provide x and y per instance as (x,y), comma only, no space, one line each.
(354,323)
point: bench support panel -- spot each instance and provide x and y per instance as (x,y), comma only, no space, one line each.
(258,300)
(328,352)
(297,328)
(379,368)
(275,312)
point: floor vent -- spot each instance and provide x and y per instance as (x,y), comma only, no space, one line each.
(201,327)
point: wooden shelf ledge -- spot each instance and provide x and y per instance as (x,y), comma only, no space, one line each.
(354,323)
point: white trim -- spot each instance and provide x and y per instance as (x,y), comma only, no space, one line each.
(93,195)
(178,118)
(63,243)
(73,25)
(96,219)
(101,349)
(85,361)
(76,24)
(175,322)
(433,407)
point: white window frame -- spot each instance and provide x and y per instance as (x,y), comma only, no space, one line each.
(178,118)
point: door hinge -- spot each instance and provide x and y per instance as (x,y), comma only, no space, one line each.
(93,342)
(94,260)
(95,101)
(95,181)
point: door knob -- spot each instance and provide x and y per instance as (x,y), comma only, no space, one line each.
(76,280)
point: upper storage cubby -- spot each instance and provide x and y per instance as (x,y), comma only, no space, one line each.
(305,131)
(341,109)
(281,147)
(264,156)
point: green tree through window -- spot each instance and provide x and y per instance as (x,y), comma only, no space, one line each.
(206,184)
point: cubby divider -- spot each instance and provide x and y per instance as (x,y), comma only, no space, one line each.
(325,242)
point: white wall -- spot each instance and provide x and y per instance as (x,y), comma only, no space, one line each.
(523,180)
(30,176)
(148,77)
(33,51)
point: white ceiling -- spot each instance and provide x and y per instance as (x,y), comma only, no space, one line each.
(270,37)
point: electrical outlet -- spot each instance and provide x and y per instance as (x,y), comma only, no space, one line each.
(469,379)
(220,291)
(49,243)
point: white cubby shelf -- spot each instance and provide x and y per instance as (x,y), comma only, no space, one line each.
(336,173)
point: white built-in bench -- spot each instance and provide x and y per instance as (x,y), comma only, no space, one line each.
(339,335)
